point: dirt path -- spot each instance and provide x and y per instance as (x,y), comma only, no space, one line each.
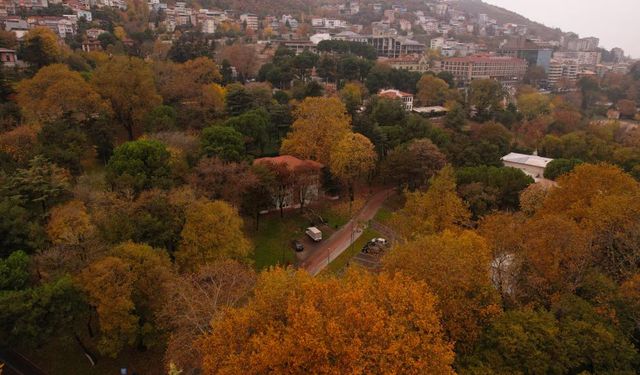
(340,241)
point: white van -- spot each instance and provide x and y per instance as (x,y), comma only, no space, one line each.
(314,233)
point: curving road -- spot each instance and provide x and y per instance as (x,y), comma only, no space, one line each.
(340,240)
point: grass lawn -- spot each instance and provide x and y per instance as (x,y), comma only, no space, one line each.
(338,264)
(272,240)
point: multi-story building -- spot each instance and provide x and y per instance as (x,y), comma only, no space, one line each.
(350,36)
(62,26)
(406,98)
(208,26)
(562,70)
(328,23)
(618,54)
(584,44)
(502,68)
(585,59)
(527,50)
(395,46)
(251,21)
(413,63)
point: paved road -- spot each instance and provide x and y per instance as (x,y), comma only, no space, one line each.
(16,364)
(340,241)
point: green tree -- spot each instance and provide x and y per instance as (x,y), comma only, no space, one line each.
(14,271)
(253,125)
(223,142)
(486,96)
(140,165)
(558,167)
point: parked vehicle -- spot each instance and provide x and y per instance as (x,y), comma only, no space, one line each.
(379,241)
(297,245)
(314,233)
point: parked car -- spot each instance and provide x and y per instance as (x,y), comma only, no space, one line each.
(297,245)
(314,233)
(379,241)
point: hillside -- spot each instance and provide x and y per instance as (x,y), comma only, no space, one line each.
(506,16)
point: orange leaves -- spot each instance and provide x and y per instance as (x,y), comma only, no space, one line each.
(360,324)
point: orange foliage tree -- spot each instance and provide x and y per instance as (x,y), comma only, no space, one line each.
(362,323)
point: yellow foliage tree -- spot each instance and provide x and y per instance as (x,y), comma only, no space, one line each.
(352,158)
(433,211)
(40,47)
(432,90)
(127,83)
(456,266)
(109,286)
(212,231)
(359,324)
(320,123)
(69,224)
(56,92)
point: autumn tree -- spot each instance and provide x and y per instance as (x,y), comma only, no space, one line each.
(320,123)
(352,158)
(533,104)
(69,224)
(456,267)
(242,57)
(432,90)
(296,323)
(195,299)
(602,199)
(212,231)
(140,165)
(127,83)
(20,143)
(282,185)
(412,165)
(433,211)
(56,92)
(486,96)
(127,290)
(40,47)
(351,96)
(217,179)
(109,286)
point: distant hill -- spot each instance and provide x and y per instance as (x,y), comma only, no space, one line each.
(506,16)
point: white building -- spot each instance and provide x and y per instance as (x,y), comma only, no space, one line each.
(406,98)
(250,19)
(531,165)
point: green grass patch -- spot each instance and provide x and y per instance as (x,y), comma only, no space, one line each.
(272,240)
(383,215)
(338,264)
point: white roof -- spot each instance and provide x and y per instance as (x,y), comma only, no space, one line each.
(314,230)
(432,109)
(532,160)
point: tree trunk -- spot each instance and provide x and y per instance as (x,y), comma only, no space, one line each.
(129,131)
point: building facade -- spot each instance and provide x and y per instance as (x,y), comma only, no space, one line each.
(501,68)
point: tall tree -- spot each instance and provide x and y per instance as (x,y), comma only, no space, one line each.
(320,123)
(56,92)
(299,324)
(486,96)
(127,83)
(212,231)
(40,47)
(433,211)
(432,90)
(140,165)
(352,158)
(456,267)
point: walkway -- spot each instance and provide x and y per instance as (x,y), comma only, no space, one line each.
(342,239)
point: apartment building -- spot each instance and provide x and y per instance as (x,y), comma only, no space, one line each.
(585,59)
(501,68)
(562,70)
(251,21)
(395,46)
